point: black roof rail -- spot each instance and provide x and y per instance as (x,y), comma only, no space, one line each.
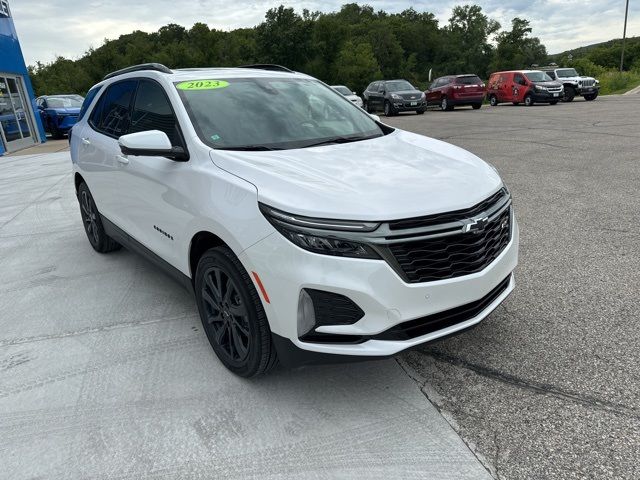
(268,66)
(158,67)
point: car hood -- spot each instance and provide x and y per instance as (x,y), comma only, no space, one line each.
(400,175)
(73,110)
(548,84)
(353,98)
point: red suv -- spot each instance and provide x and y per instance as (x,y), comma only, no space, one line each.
(523,86)
(456,90)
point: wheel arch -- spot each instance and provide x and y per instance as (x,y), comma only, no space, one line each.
(200,243)
(77,180)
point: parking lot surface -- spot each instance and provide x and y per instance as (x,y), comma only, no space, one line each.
(105,373)
(548,386)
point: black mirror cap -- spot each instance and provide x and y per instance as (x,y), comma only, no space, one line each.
(177,154)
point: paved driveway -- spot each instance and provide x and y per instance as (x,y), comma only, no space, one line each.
(105,373)
(549,386)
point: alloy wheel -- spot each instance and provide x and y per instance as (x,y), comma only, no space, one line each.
(89,217)
(226,314)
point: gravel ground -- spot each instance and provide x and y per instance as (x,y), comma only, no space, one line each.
(547,386)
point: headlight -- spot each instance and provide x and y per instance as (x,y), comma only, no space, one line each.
(396,96)
(321,235)
(597,82)
(540,87)
(423,97)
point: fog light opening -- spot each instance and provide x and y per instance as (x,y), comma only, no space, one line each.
(306,314)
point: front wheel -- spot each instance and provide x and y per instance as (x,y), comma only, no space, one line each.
(420,112)
(232,314)
(528,100)
(476,106)
(493,100)
(555,102)
(445,106)
(568,95)
(99,240)
(590,97)
(388,110)
(365,106)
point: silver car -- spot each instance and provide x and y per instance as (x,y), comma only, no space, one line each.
(348,93)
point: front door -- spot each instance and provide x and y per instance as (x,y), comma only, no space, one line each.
(519,88)
(16,126)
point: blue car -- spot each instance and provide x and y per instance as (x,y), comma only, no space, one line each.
(59,113)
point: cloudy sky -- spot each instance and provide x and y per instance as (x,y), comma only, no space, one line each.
(48,28)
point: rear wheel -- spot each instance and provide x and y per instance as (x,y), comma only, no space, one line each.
(493,100)
(232,314)
(569,94)
(591,97)
(528,100)
(99,240)
(476,106)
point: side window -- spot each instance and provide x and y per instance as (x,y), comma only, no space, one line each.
(371,87)
(381,86)
(112,115)
(87,101)
(552,74)
(152,111)
(519,79)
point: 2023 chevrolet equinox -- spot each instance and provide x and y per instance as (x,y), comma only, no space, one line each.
(307,230)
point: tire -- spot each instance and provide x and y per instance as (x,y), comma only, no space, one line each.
(493,100)
(420,112)
(365,106)
(555,102)
(222,287)
(99,240)
(591,97)
(528,100)
(516,103)
(55,133)
(476,106)
(388,109)
(569,94)
(445,106)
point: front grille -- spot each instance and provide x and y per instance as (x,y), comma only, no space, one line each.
(588,83)
(438,321)
(448,217)
(453,255)
(555,89)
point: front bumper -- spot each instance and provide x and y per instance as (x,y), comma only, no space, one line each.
(375,287)
(588,90)
(408,105)
(546,97)
(65,122)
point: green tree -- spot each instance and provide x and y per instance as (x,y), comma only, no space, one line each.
(356,65)
(516,49)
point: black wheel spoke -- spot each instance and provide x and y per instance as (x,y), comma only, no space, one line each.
(237,342)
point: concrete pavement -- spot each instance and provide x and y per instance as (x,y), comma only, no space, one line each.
(105,373)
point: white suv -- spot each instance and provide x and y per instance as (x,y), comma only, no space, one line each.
(307,230)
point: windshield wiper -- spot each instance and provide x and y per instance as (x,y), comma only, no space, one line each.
(250,148)
(341,140)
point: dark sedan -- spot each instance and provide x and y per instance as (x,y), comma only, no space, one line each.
(394,96)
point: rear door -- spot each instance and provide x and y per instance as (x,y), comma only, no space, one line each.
(100,152)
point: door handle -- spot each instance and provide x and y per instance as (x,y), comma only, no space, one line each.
(122,159)
(86,141)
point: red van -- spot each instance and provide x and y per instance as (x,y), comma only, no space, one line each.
(523,86)
(456,90)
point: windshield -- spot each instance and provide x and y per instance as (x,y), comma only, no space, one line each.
(567,72)
(272,113)
(538,77)
(469,80)
(342,89)
(72,101)
(399,86)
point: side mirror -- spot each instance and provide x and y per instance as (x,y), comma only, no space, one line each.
(152,143)
(375,117)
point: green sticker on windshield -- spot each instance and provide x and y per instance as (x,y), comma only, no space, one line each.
(202,85)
